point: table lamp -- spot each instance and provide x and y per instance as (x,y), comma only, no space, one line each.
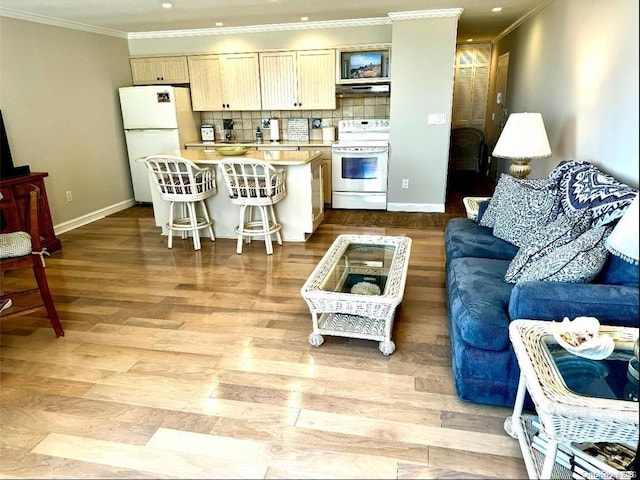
(623,242)
(523,139)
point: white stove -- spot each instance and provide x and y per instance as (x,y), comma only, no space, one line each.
(359,162)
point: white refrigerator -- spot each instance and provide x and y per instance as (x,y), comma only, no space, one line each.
(157,119)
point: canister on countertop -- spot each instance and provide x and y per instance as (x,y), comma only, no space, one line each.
(258,135)
(328,134)
(206,133)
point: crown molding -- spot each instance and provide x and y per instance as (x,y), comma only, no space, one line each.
(279,27)
(522,19)
(56,22)
(416,14)
(358,22)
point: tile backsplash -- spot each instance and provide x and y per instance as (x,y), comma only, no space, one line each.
(245,123)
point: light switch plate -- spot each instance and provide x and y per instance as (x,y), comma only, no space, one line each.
(437,118)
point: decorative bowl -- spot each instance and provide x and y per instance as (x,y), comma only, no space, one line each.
(231,151)
(581,338)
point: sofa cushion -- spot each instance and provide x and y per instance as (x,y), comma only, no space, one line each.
(583,186)
(465,238)
(509,191)
(578,261)
(479,300)
(611,304)
(617,271)
(542,240)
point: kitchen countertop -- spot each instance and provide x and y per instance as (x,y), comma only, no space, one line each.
(275,157)
(310,143)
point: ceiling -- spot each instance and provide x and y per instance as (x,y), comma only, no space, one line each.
(130,17)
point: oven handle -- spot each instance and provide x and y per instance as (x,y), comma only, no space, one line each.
(359,149)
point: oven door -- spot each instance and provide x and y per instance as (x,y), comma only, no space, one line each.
(359,169)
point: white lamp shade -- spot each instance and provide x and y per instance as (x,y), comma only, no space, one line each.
(624,239)
(524,136)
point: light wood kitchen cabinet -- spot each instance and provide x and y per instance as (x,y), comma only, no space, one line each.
(326,171)
(159,70)
(317,193)
(225,82)
(298,80)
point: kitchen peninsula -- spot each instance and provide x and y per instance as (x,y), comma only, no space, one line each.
(299,213)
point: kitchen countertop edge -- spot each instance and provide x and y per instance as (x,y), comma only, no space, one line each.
(310,143)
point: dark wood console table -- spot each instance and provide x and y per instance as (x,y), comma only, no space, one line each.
(14,190)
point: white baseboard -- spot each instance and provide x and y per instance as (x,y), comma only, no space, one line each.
(416,207)
(92,217)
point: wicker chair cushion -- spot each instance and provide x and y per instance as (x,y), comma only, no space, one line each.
(253,188)
(15,244)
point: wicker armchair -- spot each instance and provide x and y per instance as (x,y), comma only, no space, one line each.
(467,150)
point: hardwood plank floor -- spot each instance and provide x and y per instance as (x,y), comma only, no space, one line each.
(183,364)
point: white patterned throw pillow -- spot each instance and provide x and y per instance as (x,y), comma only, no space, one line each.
(524,205)
(543,240)
(579,261)
(511,191)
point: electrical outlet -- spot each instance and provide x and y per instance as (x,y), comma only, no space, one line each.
(69,196)
(405,183)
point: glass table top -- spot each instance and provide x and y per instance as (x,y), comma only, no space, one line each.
(608,378)
(362,269)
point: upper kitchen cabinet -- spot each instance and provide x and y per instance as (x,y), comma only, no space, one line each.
(225,82)
(370,64)
(298,80)
(471,85)
(159,70)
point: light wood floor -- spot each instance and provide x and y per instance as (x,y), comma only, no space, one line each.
(183,364)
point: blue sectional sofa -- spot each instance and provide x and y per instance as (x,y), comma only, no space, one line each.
(481,302)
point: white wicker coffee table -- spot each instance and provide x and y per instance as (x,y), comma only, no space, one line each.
(355,289)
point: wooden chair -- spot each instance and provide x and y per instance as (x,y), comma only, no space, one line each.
(20,250)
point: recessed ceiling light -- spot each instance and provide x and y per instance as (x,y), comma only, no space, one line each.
(304,19)
(496,9)
(219,24)
(167,5)
(469,39)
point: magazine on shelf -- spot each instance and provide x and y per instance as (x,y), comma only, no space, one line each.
(578,472)
(615,460)
(562,457)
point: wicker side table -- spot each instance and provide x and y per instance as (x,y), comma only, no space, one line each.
(565,416)
(472,206)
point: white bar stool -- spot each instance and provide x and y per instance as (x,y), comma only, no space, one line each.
(255,183)
(182,182)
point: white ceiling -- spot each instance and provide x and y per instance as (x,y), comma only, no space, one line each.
(128,17)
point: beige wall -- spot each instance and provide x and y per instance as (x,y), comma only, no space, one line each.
(576,62)
(58,94)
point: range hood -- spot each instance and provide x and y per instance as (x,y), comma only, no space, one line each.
(363,89)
